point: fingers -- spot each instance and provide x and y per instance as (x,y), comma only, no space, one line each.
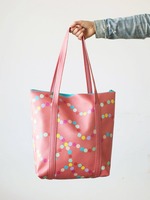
(76,24)
(78,32)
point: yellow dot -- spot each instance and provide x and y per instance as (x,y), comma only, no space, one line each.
(33,145)
(66,144)
(38,108)
(82,167)
(84,113)
(70,164)
(57,135)
(58,119)
(106,115)
(112,101)
(83,137)
(39,155)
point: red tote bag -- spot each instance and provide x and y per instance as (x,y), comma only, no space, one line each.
(72,133)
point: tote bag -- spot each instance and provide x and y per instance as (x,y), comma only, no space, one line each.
(72,133)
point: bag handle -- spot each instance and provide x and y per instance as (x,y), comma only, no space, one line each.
(87,73)
(54,109)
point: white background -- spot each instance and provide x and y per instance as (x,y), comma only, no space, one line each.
(31,35)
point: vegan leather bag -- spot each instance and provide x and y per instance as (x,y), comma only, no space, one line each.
(72,133)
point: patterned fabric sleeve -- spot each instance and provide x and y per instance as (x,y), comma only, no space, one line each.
(132,27)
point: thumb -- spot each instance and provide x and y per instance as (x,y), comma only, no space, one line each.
(76,24)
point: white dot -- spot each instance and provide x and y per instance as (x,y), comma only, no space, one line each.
(62,170)
(78,145)
(67,148)
(33,100)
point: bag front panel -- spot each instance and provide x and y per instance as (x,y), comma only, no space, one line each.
(76,134)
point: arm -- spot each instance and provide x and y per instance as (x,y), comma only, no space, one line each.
(132,27)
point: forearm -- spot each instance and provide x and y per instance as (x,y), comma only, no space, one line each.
(133,27)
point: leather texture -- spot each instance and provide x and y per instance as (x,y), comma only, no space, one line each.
(72,134)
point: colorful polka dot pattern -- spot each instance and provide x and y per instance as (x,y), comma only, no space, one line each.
(43,101)
(102,104)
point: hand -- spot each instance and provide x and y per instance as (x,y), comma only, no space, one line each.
(83,28)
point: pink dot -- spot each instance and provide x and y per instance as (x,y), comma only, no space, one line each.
(102,140)
(47,104)
(73,171)
(64,101)
(74,144)
(65,121)
(34,137)
(45,160)
(58,172)
(112,116)
(90,171)
(92,135)
(92,110)
(63,140)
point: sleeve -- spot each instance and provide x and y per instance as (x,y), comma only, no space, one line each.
(132,27)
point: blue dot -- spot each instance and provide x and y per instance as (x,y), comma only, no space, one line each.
(81,149)
(71,168)
(74,122)
(88,137)
(78,176)
(95,127)
(61,137)
(69,152)
(86,170)
(65,167)
(42,105)
(34,127)
(55,158)
(107,134)
(36,97)
(72,107)
(70,143)
(41,135)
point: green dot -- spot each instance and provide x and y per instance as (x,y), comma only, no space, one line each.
(79,165)
(80,113)
(103,167)
(79,134)
(111,135)
(101,104)
(108,163)
(70,160)
(108,101)
(93,148)
(103,116)
(61,146)
(45,177)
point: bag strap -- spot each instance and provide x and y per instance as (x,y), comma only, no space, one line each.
(54,109)
(87,73)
